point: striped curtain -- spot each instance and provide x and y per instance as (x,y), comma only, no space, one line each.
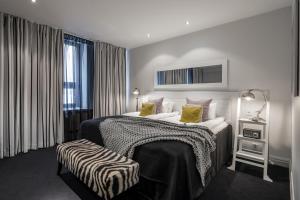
(109,80)
(31,63)
(296,52)
(172,77)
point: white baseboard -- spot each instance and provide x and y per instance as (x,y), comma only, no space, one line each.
(292,186)
(280,161)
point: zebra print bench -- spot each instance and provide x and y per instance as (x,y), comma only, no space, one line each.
(105,172)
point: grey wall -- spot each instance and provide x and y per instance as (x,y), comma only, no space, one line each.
(259,53)
(295,179)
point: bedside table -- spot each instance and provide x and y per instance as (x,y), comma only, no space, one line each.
(258,158)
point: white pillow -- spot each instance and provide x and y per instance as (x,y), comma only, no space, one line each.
(212,112)
(167,107)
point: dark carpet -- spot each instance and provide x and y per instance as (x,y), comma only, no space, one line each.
(32,176)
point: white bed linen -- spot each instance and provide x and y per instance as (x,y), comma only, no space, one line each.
(215,125)
(219,128)
(158,116)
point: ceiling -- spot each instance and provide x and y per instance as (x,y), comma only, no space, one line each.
(126,23)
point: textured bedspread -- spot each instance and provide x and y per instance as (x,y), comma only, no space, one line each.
(123,135)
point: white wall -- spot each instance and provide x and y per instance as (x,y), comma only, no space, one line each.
(259,53)
(295,178)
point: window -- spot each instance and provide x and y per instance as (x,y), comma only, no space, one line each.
(78,73)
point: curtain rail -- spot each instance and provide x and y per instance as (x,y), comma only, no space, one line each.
(76,35)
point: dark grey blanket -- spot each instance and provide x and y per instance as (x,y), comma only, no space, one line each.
(123,135)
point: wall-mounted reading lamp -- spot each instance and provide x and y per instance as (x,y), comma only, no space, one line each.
(249,96)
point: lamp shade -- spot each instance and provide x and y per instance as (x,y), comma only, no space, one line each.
(248,95)
(136,91)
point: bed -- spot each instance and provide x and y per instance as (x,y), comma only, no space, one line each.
(168,169)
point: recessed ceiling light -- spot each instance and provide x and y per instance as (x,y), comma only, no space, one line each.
(187,23)
(148,35)
(33,1)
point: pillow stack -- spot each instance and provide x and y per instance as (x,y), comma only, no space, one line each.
(204,103)
(193,108)
(191,113)
(148,109)
(194,111)
(158,104)
(153,106)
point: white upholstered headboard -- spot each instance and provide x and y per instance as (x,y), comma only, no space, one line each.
(225,100)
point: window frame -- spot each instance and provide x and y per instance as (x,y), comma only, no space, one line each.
(76,103)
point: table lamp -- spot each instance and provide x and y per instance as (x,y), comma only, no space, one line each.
(136,92)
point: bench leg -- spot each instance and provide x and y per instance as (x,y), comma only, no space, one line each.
(59,166)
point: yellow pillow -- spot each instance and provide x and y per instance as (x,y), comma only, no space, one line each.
(148,109)
(191,114)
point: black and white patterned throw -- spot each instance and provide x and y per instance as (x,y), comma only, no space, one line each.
(123,135)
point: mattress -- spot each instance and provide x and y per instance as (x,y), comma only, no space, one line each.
(168,168)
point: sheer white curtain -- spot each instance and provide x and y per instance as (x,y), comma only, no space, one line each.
(31,71)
